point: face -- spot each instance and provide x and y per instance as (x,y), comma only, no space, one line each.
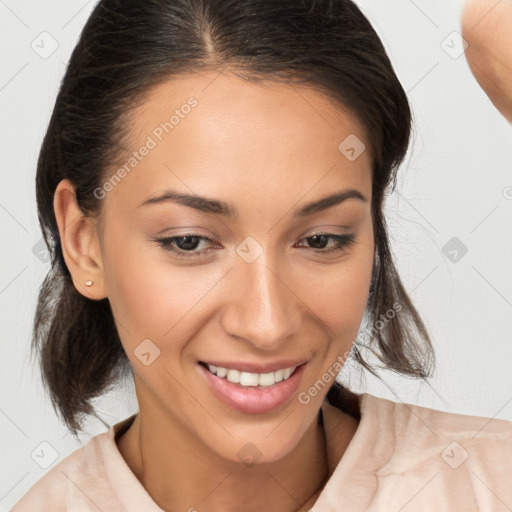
(257,276)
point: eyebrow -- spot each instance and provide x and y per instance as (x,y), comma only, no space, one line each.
(214,206)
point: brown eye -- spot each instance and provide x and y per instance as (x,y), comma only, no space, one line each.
(186,245)
(319,241)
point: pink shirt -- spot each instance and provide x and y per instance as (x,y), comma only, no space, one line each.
(402,458)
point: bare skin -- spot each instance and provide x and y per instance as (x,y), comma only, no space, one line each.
(487,27)
(267,150)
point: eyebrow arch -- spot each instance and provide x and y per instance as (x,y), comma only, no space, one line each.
(207,205)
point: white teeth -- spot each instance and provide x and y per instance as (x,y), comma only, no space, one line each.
(233,376)
(249,379)
(266,379)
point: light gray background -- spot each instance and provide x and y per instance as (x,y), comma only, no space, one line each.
(457,182)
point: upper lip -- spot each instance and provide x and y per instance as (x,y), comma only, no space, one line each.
(243,366)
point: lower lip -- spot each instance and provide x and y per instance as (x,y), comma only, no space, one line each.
(252,400)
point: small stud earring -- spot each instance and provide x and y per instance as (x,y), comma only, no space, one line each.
(88,283)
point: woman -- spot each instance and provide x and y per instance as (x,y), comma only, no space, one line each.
(211,187)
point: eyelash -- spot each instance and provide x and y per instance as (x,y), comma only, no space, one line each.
(343,241)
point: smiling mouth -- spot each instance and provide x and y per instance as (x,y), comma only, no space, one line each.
(253,392)
(250,379)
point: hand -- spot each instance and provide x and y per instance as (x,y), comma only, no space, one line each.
(487,27)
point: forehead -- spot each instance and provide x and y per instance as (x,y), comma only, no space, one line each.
(246,105)
(213,127)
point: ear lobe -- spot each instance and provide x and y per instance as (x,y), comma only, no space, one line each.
(79,242)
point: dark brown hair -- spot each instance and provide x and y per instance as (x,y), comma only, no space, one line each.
(128,46)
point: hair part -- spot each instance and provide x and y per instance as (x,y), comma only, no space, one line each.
(129,46)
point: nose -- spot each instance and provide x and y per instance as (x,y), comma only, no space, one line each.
(262,308)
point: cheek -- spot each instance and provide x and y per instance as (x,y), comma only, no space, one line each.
(149,296)
(338,295)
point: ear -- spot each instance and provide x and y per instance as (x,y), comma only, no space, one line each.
(80,242)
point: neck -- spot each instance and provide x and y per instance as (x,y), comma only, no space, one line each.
(180,473)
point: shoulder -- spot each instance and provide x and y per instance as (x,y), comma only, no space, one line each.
(49,492)
(412,427)
(462,460)
(82,480)
(440,423)
(405,456)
